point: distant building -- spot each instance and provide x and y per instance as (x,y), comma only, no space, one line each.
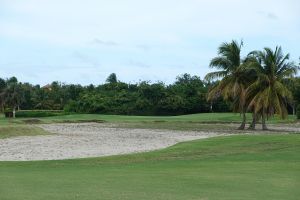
(47,87)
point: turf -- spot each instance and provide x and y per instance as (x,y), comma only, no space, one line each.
(15,130)
(202,117)
(198,118)
(236,167)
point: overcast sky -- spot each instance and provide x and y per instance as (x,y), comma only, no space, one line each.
(83,41)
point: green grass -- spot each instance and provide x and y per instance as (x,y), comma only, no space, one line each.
(236,167)
(203,117)
(14,130)
(199,118)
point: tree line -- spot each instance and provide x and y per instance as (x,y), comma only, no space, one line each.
(186,95)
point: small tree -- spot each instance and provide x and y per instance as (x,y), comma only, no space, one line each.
(13,94)
(2,95)
(112,78)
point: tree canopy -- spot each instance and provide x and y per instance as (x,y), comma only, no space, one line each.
(185,96)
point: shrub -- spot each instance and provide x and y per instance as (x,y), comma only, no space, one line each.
(39,113)
(298,111)
(8,112)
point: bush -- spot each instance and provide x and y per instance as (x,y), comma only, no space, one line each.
(72,107)
(39,113)
(298,111)
(8,112)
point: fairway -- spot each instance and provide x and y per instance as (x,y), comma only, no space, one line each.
(235,167)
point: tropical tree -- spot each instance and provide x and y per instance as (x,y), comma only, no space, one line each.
(13,94)
(112,78)
(2,97)
(268,95)
(234,80)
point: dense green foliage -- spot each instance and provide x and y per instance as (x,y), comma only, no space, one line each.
(237,167)
(298,112)
(187,95)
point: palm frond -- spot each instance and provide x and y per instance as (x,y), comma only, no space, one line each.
(215,75)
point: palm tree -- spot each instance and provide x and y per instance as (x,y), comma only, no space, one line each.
(268,95)
(234,80)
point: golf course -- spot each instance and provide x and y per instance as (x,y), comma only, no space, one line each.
(235,165)
(149,100)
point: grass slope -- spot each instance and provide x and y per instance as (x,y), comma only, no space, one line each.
(202,117)
(15,130)
(237,167)
(193,118)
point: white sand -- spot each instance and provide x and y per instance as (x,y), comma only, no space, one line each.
(90,140)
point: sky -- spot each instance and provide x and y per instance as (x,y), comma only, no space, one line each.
(82,42)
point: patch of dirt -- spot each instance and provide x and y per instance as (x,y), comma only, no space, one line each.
(83,121)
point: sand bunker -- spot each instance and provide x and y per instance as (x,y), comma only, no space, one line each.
(90,140)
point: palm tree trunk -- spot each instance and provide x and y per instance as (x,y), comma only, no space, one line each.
(253,123)
(243,124)
(14,112)
(294,108)
(263,120)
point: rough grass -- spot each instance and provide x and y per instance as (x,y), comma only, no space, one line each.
(182,126)
(15,130)
(236,167)
(202,117)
